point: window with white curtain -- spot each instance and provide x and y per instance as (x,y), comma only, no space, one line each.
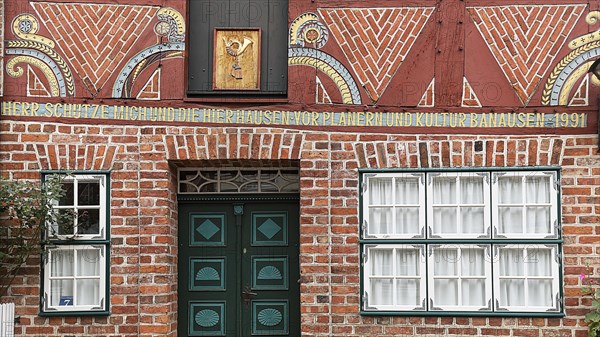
(461,241)
(75,278)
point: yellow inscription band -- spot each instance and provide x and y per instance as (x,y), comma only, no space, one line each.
(298,118)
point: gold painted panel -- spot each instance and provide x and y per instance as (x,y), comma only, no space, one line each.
(236,64)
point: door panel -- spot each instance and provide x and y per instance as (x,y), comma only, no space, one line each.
(238,269)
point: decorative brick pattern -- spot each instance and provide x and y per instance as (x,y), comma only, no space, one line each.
(428,98)
(581,95)
(376,40)
(525,39)
(94,38)
(469,98)
(151,90)
(35,87)
(142,160)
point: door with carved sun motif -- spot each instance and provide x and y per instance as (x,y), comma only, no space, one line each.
(238,267)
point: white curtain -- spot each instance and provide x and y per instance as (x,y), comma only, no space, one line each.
(472,269)
(74,268)
(471,193)
(525,267)
(408,290)
(380,218)
(381,265)
(445,272)
(536,199)
(444,217)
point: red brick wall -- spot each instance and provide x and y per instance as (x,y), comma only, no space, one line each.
(144,227)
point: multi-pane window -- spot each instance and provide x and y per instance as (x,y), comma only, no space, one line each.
(75,254)
(477,241)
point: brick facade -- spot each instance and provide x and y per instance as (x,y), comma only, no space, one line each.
(143,157)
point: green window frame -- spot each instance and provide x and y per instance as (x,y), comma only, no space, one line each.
(462,242)
(75,274)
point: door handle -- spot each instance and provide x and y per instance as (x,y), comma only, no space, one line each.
(247,295)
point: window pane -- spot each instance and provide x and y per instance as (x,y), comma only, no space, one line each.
(87,292)
(512,293)
(380,191)
(381,292)
(445,262)
(407,262)
(88,262)
(89,193)
(540,293)
(537,189)
(380,221)
(66,222)
(473,292)
(381,262)
(509,190)
(61,262)
(473,221)
(88,221)
(539,262)
(510,220)
(444,220)
(471,190)
(68,199)
(407,220)
(511,262)
(472,262)
(444,191)
(407,191)
(538,220)
(61,292)
(408,292)
(446,292)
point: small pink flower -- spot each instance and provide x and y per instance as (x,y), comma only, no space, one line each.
(581,277)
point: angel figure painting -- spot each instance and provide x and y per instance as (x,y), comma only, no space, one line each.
(236,59)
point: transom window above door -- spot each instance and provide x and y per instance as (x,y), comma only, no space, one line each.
(467,242)
(238,180)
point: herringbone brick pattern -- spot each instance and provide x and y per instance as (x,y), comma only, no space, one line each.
(94,38)
(376,40)
(525,39)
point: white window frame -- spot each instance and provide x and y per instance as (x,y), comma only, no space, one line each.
(77,242)
(395,277)
(554,232)
(457,176)
(487,276)
(420,178)
(529,258)
(491,240)
(76,179)
(48,278)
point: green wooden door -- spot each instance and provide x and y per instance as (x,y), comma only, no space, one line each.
(238,268)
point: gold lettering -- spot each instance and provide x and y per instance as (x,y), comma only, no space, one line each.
(360,119)
(484,121)
(228,115)
(521,120)
(315,118)
(378,119)
(419,119)
(142,114)
(444,119)
(342,118)
(541,119)
(502,120)
(206,118)
(429,120)
(285,117)
(462,119)
(530,120)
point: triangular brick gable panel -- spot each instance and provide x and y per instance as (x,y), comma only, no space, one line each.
(428,98)
(35,86)
(94,38)
(581,96)
(151,90)
(469,98)
(376,40)
(525,39)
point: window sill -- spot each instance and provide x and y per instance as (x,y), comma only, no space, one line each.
(462,314)
(74,313)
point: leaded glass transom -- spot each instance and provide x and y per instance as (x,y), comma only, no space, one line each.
(238,180)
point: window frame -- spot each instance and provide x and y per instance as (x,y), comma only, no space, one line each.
(493,241)
(76,243)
